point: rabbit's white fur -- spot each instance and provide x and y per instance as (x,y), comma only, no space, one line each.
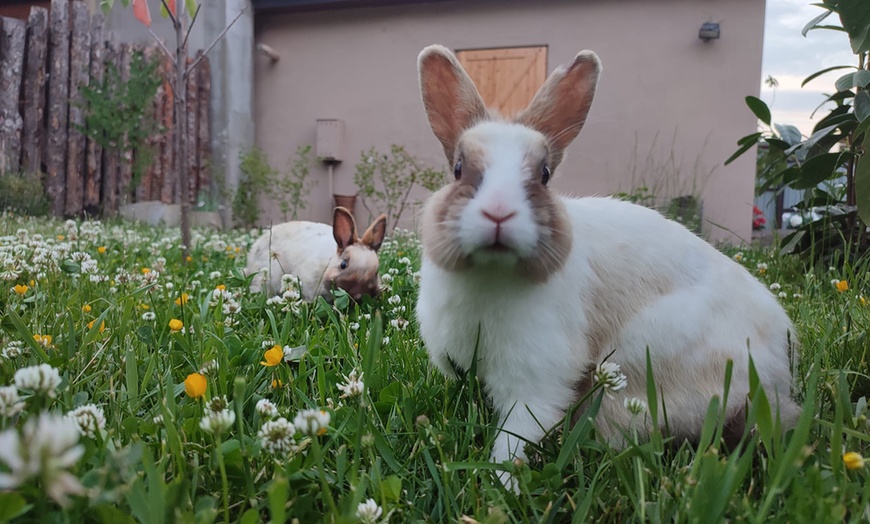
(303,249)
(557,285)
(320,255)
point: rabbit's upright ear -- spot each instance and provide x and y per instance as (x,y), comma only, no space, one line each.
(559,109)
(452,102)
(374,235)
(343,228)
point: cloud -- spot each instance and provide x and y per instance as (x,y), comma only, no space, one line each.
(790,57)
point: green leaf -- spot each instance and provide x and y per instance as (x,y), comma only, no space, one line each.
(191,6)
(745,144)
(819,168)
(12,505)
(855,17)
(815,22)
(862,182)
(759,108)
(106,6)
(817,74)
(391,488)
(789,133)
(862,105)
(845,82)
(278,492)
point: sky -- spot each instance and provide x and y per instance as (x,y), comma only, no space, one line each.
(790,57)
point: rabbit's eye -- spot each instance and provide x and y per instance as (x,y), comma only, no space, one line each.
(343,264)
(545,174)
(457,169)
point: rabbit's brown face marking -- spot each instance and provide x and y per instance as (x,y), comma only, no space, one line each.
(359,276)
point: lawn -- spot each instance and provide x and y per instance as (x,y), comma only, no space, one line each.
(169,392)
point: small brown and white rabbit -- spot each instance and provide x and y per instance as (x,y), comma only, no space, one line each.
(544,287)
(321,256)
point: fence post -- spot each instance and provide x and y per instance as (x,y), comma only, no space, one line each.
(79,65)
(110,154)
(58,103)
(93,171)
(34,90)
(12,36)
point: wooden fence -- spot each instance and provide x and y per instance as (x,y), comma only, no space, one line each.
(44,64)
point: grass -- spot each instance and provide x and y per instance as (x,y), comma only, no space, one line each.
(414,442)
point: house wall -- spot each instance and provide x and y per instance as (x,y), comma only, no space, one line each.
(668,112)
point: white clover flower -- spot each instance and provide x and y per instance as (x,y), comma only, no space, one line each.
(47,446)
(775,287)
(149,316)
(290,295)
(353,326)
(267,343)
(10,403)
(405,261)
(217,422)
(158,419)
(761,266)
(386,278)
(394,300)
(89,418)
(312,422)
(353,386)
(217,404)
(266,408)
(385,341)
(795,221)
(796,295)
(14,348)
(738,256)
(635,406)
(369,512)
(276,436)
(214,275)
(393,271)
(41,379)
(835,281)
(782,294)
(399,323)
(209,367)
(608,375)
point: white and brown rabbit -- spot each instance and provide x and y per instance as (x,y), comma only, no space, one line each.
(544,287)
(320,255)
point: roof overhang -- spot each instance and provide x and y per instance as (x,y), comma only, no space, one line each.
(298,6)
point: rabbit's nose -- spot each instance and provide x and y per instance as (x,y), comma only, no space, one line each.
(498,218)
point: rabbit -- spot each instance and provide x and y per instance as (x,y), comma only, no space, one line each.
(542,288)
(321,256)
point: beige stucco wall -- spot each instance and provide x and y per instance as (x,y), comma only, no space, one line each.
(665,97)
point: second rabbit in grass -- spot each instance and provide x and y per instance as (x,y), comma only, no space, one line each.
(321,256)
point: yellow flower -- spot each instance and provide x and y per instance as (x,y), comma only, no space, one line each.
(102,325)
(176,325)
(20,289)
(221,287)
(180,301)
(238,250)
(853,460)
(205,259)
(144,306)
(189,258)
(86,308)
(231,256)
(32,282)
(60,237)
(276,383)
(273,356)
(44,340)
(145,270)
(101,250)
(194,385)
(842,286)
(863,300)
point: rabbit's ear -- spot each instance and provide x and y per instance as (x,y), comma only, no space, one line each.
(343,228)
(374,235)
(559,108)
(451,101)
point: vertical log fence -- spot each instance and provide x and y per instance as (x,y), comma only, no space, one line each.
(45,64)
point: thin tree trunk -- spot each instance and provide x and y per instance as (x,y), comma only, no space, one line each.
(80,56)
(180,138)
(12,37)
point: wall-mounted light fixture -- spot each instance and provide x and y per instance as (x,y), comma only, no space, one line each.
(709,31)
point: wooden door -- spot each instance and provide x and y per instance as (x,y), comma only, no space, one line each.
(506,78)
